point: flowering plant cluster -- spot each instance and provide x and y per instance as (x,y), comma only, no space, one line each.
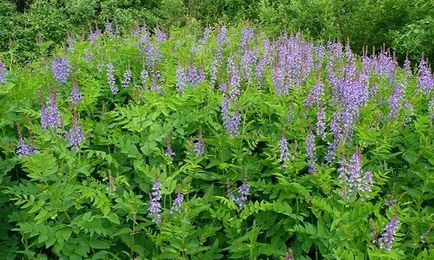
(227,144)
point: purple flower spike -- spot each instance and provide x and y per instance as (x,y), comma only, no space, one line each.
(144,75)
(50,115)
(24,149)
(75,136)
(310,152)
(94,35)
(3,71)
(425,79)
(388,236)
(395,101)
(160,35)
(222,37)
(243,192)
(182,79)
(111,78)
(127,78)
(314,97)
(155,202)
(204,39)
(352,177)
(284,152)
(320,123)
(75,96)
(177,203)
(199,147)
(232,122)
(61,69)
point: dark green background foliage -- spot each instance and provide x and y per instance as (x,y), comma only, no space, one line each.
(93,203)
(407,26)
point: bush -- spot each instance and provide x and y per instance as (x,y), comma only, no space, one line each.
(185,147)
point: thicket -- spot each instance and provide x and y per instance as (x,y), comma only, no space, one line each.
(407,26)
(221,144)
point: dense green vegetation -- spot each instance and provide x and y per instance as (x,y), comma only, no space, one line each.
(215,144)
(407,26)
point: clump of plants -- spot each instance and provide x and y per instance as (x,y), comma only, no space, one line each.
(217,144)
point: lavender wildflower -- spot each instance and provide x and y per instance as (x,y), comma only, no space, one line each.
(320,123)
(111,78)
(395,101)
(144,75)
(314,97)
(181,78)
(169,152)
(337,136)
(247,34)
(199,147)
(205,37)
(279,81)
(259,72)
(431,109)
(3,70)
(352,176)
(222,37)
(88,56)
(75,95)
(155,202)
(284,152)
(388,235)
(160,35)
(75,136)
(176,206)
(232,122)
(310,152)
(243,192)
(22,148)
(128,74)
(409,107)
(390,202)
(61,69)
(50,116)
(94,35)
(407,67)
(213,72)
(109,28)
(70,41)
(425,79)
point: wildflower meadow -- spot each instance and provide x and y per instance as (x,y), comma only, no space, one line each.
(215,143)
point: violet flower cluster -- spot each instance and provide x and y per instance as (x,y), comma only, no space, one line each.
(50,115)
(155,202)
(231,120)
(199,147)
(284,152)
(3,71)
(425,78)
(111,78)
(386,239)
(75,96)
(128,75)
(395,101)
(75,135)
(61,69)
(310,152)
(177,203)
(23,149)
(352,178)
(243,192)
